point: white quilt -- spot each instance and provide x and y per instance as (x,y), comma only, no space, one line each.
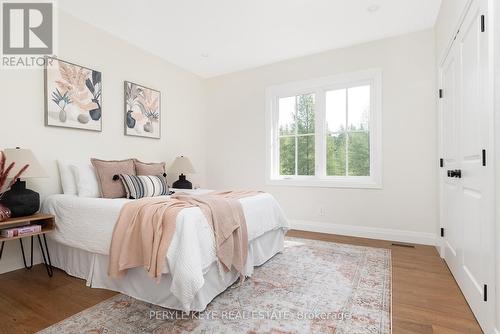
(87,224)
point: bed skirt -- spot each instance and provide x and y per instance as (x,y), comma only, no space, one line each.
(93,268)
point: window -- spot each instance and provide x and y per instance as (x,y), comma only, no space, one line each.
(296,135)
(326,132)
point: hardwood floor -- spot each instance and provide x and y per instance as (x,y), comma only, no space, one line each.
(30,300)
(426,298)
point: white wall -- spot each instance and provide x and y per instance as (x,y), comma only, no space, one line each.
(22,110)
(408,200)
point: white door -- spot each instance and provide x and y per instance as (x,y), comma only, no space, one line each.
(467,180)
(449,133)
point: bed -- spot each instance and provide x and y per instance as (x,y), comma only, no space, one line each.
(191,279)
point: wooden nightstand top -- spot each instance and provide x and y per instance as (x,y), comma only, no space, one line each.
(47,222)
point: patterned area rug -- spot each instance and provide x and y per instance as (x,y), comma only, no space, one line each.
(312,287)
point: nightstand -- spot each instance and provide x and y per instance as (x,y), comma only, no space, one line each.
(48,224)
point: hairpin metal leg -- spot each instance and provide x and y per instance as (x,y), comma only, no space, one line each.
(22,251)
(46,260)
(1,249)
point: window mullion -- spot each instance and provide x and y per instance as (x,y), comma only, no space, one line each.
(278,143)
(296,141)
(320,134)
(275,140)
(296,155)
(347,132)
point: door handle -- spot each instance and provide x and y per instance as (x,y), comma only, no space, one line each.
(455,173)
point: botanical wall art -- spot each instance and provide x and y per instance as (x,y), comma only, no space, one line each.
(142,111)
(73,96)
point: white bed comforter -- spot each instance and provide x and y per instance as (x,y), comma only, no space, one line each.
(87,224)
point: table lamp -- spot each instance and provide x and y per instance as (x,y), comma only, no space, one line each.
(182,165)
(22,201)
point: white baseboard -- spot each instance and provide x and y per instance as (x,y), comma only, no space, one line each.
(421,238)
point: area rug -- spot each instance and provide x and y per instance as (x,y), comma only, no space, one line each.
(312,287)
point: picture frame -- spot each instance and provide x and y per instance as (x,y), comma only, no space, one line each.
(73,95)
(142,111)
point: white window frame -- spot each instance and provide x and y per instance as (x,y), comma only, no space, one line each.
(319,87)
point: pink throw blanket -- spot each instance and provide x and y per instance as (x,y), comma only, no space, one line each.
(145,228)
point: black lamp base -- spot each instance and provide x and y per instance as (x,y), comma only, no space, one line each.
(182,183)
(21,201)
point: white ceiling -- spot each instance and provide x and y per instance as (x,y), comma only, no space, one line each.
(214,37)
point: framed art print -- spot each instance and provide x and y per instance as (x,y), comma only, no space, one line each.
(142,111)
(73,95)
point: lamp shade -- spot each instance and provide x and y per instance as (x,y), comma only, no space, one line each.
(182,165)
(22,157)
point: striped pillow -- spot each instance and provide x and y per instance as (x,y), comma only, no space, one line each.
(139,186)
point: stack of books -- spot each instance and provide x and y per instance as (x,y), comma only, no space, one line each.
(20,231)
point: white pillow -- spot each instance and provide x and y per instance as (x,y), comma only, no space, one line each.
(68,182)
(86,180)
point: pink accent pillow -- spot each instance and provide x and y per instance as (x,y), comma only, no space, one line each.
(149,168)
(106,170)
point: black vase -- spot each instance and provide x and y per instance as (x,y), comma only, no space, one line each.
(21,201)
(95,114)
(130,120)
(182,183)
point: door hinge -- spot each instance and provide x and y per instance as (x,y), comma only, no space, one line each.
(483,28)
(484,157)
(442,232)
(441,162)
(440,93)
(485,293)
